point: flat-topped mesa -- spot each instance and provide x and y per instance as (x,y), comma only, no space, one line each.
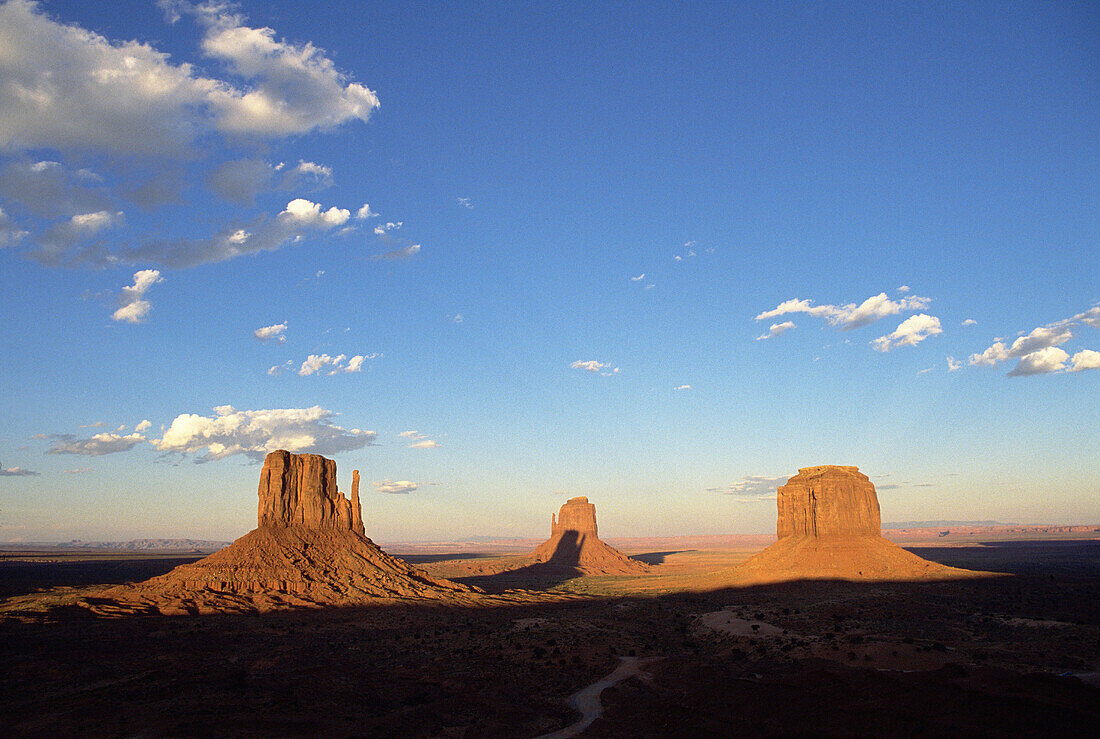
(828,500)
(576,514)
(301,490)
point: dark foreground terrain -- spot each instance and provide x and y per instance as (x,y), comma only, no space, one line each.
(1016,654)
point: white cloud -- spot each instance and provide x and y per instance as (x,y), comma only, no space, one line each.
(419,440)
(969,322)
(752,488)
(255,433)
(905,289)
(849,316)
(776,329)
(382,228)
(1037,350)
(407,252)
(271,333)
(9,234)
(133,307)
(332,365)
(143,426)
(95,446)
(953,364)
(682,387)
(1086,359)
(594,366)
(292,225)
(466,203)
(73,90)
(909,332)
(1091,317)
(365,212)
(16,472)
(394,487)
(639,278)
(1043,337)
(1041,362)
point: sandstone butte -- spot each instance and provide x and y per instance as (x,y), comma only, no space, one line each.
(829,527)
(574,543)
(308,549)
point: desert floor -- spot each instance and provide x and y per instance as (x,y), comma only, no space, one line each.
(1013,654)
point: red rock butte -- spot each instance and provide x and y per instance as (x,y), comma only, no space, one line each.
(308,549)
(574,543)
(830,527)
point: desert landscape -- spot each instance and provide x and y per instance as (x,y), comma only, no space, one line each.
(559,369)
(304,626)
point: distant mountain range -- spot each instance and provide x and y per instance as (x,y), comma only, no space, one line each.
(933,524)
(148,545)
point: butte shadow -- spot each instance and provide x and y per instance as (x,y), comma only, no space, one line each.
(830,528)
(309,549)
(574,549)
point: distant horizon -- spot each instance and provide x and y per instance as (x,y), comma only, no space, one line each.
(661,255)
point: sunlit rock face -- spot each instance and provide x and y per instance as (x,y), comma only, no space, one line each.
(828,500)
(300,490)
(577,514)
(574,543)
(308,549)
(830,528)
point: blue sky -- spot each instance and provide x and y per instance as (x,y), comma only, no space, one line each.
(494,255)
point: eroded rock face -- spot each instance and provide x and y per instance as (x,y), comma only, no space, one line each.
(300,490)
(577,514)
(308,549)
(574,543)
(828,500)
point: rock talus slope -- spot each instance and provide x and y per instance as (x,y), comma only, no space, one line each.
(574,543)
(308,549)
(829,527)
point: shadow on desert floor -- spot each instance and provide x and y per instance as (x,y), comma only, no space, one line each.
(946,657)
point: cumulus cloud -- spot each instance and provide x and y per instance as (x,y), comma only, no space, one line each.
(298,220)
(145,120)
(271,333)
(969,322)
(1046,360)
(752,488)
(1034,350)
(16,472)
(72,89)
(382,228)
(315,363)
(682,387)
(776,329)
(9,234)
(1085,359)
(909,332)
(365,212)
(953,364)
(591,365)
(95,446)
(849,316)
(256,433)
(419,440)
(133,307)
(407,252)
(143,426)
(394,487)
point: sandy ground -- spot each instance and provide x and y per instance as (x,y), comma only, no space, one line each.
(1016,654)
